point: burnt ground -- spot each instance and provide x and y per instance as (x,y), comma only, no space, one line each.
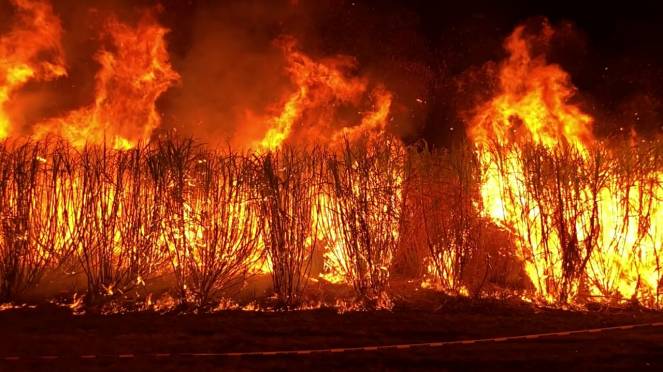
(50,330)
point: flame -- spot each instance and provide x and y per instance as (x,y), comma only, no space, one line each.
(374,121)
(532,105)
(595,233)
(533,102)
(310,112)
(134,72)
(595,219)
(30,51)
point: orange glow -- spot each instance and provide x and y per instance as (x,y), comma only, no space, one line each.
(309,115)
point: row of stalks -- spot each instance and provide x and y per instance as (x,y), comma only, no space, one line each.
(208,218)
(587,222)
(374,208)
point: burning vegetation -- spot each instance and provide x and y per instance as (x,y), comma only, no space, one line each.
(532,205)
(585,213)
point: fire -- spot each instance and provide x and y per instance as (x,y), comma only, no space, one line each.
(533,103)
(359,214)
(373,121)
(531,106)
(134,72)
(585,213)
(310,113)
(547,179)
(31,50)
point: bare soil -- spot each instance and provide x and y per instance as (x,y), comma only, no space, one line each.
(48,330)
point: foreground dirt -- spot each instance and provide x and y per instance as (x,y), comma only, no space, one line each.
(49,331)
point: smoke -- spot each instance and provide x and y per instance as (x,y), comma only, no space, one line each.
(231,71)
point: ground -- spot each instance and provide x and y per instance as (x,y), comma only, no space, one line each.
(36,334)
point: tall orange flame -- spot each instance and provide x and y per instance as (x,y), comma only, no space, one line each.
(134,72)
(30,51)
(321,87)
(533,100)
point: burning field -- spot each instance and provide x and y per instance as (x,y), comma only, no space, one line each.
(143,175)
